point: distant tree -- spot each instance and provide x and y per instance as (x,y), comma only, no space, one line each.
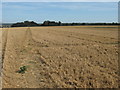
(83,24)
(24,24)
(53,23)
(59,23)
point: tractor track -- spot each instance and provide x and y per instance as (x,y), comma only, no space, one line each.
(26,43)
(4,44)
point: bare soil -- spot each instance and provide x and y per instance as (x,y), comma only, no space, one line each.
(61,57)
(0,58)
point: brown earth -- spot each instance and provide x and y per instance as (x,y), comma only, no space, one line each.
(61,56)
(0,57)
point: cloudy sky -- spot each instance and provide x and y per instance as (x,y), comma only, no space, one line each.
(60,11)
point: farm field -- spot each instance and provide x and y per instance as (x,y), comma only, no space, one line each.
(0,57)
(60,57)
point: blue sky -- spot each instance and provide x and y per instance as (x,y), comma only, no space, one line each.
(60,11)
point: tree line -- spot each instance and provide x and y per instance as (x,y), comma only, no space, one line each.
(25,24)
(53,23)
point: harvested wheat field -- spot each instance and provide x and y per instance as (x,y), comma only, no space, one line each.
(0,57)
(60,57)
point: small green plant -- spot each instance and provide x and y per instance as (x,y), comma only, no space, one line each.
(22,69)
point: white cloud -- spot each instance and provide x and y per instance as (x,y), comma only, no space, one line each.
(60,0)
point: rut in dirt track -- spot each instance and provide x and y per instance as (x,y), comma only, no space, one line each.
(28,39)
(4,43)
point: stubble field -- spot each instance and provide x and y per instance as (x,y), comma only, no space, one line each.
(60,56)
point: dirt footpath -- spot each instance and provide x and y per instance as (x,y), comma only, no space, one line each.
(66,56)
